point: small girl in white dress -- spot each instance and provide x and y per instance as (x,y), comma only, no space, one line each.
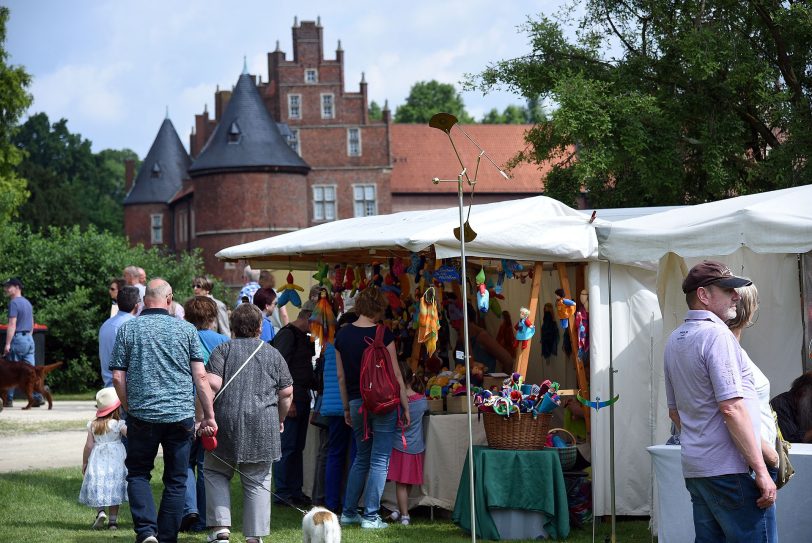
(105,477)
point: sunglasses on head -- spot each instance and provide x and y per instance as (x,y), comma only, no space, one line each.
(195,285)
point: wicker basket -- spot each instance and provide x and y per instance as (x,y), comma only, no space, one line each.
(567,454)
(520,431)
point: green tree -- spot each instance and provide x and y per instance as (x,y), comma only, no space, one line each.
(375,113)
(429,97)
(493,117)
(665,102)
(66,272)
(14,100)
(69,184)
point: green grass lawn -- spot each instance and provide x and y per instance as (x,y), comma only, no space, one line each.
(42,505)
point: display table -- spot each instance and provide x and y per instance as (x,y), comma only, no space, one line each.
(676,524)
(528,481)
(446,438)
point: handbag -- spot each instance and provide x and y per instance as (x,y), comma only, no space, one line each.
(782,447)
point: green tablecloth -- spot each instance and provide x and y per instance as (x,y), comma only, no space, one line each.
(506,479)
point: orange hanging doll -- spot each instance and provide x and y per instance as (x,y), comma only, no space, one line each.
(323,320)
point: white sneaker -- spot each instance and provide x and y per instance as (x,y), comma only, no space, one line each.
(101,518)
(150,539)
(373,524)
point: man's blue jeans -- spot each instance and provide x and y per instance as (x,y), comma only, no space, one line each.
(22,350)
(142,447)
(725,509)
(368,472)
(287,472)
(338,442)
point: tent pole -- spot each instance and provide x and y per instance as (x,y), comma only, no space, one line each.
(611,412)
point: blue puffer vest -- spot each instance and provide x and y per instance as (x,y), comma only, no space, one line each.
(331,405)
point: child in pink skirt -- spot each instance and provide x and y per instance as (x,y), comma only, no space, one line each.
(406,465)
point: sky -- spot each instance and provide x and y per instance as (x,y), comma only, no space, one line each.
(114,68)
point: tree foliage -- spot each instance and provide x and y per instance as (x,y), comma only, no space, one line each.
(375,112)
(66,272)
(669,102)
(429,97)
(69,184)
(513,114)
(14,100)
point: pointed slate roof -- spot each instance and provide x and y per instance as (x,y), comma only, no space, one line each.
(247,138)
(163,170)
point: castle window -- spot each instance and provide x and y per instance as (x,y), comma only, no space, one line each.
(157,228)
(327,110)
(156,170)
(311,76)
(234,133)
(181,228)
(324,202)
(353,142)
(294,106)
(293,141)
(364,200)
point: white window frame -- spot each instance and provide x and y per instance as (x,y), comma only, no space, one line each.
(322,203)
(365,202)
(350,150)
(297,113)
(294,141)
(156,228)
(315,73)
(325,114)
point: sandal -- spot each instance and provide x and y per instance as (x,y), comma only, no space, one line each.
(220,535)
(101,518)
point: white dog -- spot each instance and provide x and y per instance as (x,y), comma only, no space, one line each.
(320,525)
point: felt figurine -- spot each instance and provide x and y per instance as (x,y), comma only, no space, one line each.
(289,294)
(391,291)
(524,329)
(582,326)
(323,320)
(349,279)
(482,295)
(564,307)
(510,267)
(549,402)
(549,334)
(361,282)
(428,322)
(396,267)
(322,274)
(338,282)
(504,336)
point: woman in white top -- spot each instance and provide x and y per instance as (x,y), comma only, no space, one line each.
(746,309)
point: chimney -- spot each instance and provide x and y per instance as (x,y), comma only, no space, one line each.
(385,114)
(129,174)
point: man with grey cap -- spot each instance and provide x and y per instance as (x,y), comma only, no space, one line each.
(19,341)
(712,399)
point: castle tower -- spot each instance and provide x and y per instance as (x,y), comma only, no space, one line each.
(147,217)
(248,183)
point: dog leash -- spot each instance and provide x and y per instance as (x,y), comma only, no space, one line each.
(258,483)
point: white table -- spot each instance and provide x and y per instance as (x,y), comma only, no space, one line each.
(446,438)
(676,525)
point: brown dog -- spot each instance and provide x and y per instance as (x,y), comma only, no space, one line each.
(27,378)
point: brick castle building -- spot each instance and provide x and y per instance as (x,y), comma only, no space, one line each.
(297,150)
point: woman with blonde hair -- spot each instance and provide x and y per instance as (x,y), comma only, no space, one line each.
(745,317)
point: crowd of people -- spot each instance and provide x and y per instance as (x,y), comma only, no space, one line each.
(241,402)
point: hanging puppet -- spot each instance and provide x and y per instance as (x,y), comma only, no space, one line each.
(565,308)
(582,327)
(524,329)
(289,294)
(549,334)
(323,320)
(482,294)
(428,321)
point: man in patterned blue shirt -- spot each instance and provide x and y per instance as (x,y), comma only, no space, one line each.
(155,360)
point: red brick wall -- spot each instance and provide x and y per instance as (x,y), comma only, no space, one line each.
(138,225)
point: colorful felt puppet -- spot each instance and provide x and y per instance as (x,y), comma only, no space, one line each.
(524,329)
(428,321)
(322,275)
(582,326)
(482,294)
(564,307)
(510,267)
(289,294)
(349,279)
(323,320)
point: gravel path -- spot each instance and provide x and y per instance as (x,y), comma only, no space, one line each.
(44,449)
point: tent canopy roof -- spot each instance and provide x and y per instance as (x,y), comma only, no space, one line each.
(779,221)
(537,228)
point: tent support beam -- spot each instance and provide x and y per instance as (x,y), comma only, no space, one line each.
(523,355)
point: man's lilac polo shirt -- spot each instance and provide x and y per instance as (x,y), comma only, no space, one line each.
(703,367)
